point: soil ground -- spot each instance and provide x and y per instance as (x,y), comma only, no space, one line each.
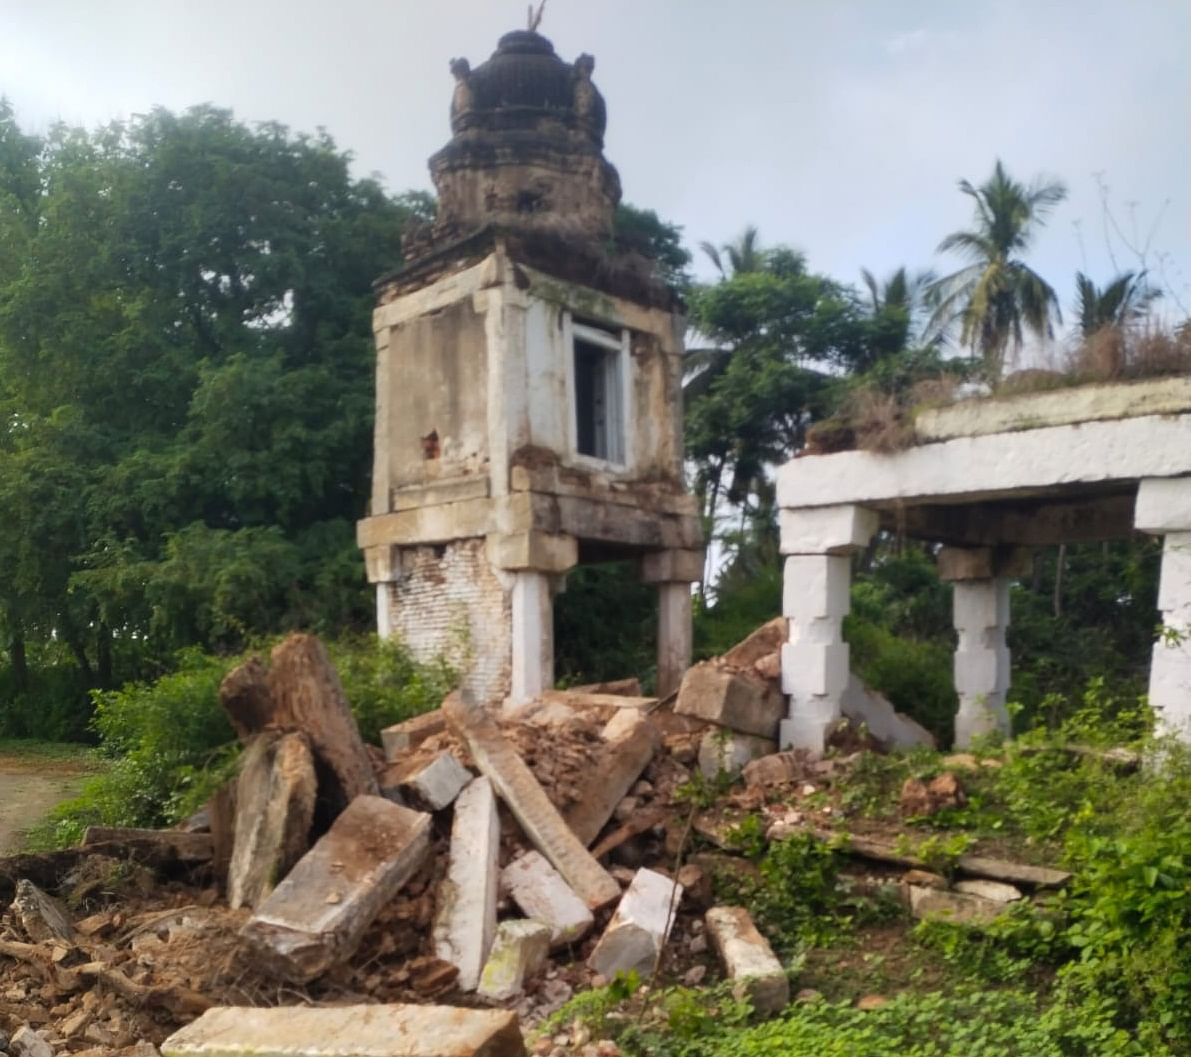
(33,782)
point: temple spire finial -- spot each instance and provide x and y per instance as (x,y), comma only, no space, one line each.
(535,17)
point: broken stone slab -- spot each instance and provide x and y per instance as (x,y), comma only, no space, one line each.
(996,891)
(891,728)
(26,1042)
(635,936)
(956,907)
(517,787)
(166,843)
(308,697)
(431,784)
(315,918)
(742,702)
(41,917)
(410,733)
(621,724)
(519,951)
(339,1031)
(724,751)
(465,914)
(618,765)
(275,795)
(541,893)
(748,959)
(763,642)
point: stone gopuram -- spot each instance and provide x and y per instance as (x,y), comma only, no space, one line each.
(528,388)
(989,480)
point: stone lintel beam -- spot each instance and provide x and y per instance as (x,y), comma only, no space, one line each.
(672,566)
(828,529)
(541,551)
(983,563)
(1033,523)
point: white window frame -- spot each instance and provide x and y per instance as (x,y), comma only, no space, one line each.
(620,412)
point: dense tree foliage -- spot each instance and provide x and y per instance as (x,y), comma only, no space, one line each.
(186,373)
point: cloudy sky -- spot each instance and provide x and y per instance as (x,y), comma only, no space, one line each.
(837,126)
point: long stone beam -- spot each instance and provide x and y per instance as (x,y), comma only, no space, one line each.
(1030,523)
(995,466)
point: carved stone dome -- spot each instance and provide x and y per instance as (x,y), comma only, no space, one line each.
(524,84)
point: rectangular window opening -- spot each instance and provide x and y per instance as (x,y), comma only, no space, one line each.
(598,384)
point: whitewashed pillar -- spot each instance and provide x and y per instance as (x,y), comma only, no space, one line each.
(533,636)
(980,610)
(673,571)
(982,660)
(1164,507)
(817,577)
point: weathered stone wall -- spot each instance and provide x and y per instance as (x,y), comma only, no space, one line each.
(449,598)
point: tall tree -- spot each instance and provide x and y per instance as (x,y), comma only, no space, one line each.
(895,307)
(186,378)
(997,297)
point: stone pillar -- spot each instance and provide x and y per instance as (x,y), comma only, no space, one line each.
(982,663)
(537,563)
(533,636)
(673,571)
(981,577)
(1164,508)
(818,543)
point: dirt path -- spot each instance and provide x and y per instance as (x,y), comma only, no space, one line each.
(29,788)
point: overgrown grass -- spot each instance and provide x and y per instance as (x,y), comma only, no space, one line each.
(169,745)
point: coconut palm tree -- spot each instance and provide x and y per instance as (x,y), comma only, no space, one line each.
(996,297)
(1123,301)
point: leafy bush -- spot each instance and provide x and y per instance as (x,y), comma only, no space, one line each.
(171,746)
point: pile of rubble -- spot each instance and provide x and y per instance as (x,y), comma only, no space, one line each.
(494,863)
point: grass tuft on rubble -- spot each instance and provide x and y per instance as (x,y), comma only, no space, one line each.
(169,745)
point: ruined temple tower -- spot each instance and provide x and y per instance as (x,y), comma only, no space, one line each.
(528,389)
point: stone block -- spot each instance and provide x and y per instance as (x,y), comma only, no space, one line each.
(638,930)
(775,769)
(965,563)
(465,911)
(519,789)
(672,566)
(339,1031)
(984,671)
(612,775)
(995,891)
(744,703)
(542,895)
(622,724)
(805,732)
(26,1042)
(959,908)
(41,917)
(542,551)
(275,794)
(827,529)
(1163,505)
(409,734)
(815,587)
(748,960)
(436,783)
(519,951)
(810,668)
(316,917)
(767,639)
(981,604)
(1174,584)
(728,752)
